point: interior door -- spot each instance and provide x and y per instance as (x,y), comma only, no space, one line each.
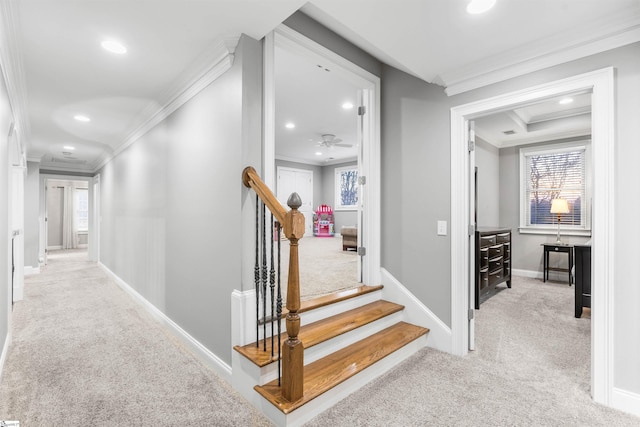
(472,227)
(291,180)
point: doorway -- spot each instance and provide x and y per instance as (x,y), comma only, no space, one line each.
(600,83)
(66,209)
(333,145)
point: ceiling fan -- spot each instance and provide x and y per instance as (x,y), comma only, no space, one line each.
(329,140)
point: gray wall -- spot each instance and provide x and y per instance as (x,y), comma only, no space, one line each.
(329,196)
(173,204)
(6,117)
(526,251)
(489,197)
(31,215)
(626,292)
(415,179)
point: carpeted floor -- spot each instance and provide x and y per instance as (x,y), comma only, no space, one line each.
(324,266)
(530,368)
(85,354)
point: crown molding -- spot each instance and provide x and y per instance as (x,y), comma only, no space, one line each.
(617,31)
(213,63)
(575,133)
(13,68)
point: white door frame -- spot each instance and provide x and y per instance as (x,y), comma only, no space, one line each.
(601,83)
(370,164)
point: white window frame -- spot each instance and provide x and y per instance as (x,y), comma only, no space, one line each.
(338,199)
(570,230)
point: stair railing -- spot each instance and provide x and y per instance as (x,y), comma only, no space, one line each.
(292,222)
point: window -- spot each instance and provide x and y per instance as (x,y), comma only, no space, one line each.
(346,182)
(551,172)
(82,209)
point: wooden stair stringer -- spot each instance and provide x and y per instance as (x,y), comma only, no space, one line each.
(325,374)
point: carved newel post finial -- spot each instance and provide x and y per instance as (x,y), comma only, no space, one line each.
(294,201)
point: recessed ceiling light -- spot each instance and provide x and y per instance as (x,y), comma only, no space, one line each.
(480,6)
(565,101)
(318,153)
(290,125)
(347,105)
(114,46)
(69,147)
(81,118)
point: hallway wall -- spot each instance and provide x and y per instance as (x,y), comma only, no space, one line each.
(6,118)
(172,209)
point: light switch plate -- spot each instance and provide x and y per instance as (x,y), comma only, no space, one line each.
(442,228)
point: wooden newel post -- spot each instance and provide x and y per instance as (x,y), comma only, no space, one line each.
(292,352)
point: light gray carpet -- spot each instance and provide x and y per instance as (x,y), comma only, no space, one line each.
(324,266)
(85,354)
(531,368)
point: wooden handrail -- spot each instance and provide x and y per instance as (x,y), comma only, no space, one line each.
(293,226)
(251,179)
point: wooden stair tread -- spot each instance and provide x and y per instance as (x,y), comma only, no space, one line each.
(323,330)
(328,372)
(332,298)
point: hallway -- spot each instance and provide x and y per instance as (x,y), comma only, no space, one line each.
(85,354)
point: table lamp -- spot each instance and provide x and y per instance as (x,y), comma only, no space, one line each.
(559,206)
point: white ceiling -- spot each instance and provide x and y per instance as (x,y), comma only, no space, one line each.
(55,67)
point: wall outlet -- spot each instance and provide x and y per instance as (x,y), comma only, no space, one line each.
(442,228)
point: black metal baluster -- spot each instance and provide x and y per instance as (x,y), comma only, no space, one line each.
(279,305)
(272,285)
(264,277)
(256,270)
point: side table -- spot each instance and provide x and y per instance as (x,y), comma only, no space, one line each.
(558,248)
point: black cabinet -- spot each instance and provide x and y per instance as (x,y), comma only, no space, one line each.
(582,278)
(493,261)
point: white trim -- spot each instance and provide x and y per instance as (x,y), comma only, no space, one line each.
(601,83)
(415,312)
(220,54)
(370,167)
(555,148)
(626,401)
(204,354)
(5,348)
(621,30)
(532,274)
(29,270)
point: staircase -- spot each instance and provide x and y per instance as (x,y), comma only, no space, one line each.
(349,338)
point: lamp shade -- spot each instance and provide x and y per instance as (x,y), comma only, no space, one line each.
(559,206)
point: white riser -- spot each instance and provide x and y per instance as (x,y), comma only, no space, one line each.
(270,372)
(326,311)
(327,400)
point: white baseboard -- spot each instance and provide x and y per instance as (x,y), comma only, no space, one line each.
(534,274)
(439,336)
(204,354)
(54,248)
(29,270)
(5,352)
(626,401)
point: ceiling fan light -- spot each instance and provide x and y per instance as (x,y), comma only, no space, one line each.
(480,6)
